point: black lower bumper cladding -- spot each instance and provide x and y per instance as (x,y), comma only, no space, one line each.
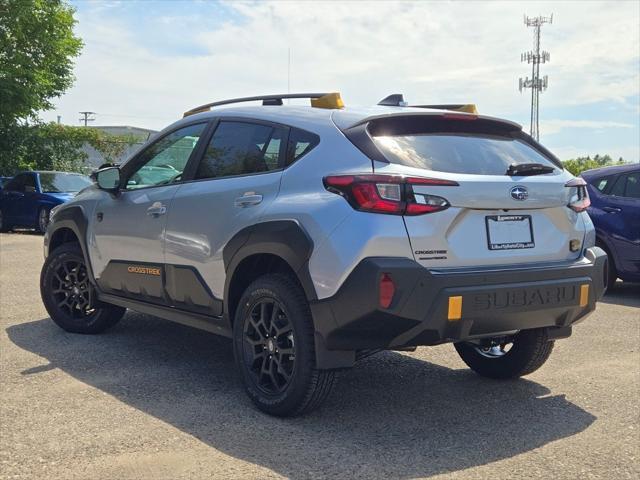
(493,302)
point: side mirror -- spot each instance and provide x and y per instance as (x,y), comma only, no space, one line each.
(108,178)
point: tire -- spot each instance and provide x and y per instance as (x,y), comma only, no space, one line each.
(4,226)
(274,350)
(42,222)
(529,350)
(69,297)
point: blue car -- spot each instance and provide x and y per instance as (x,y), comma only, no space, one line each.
(27,199)
(4,181)
(615,212)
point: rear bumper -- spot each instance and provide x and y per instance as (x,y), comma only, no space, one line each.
(494,302)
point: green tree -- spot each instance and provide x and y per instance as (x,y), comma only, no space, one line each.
(112,147)
(48,146)
(580,164)
(37,48)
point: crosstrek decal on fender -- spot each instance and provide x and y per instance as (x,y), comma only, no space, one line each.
(142,270)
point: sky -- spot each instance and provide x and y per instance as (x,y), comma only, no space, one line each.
(146,62)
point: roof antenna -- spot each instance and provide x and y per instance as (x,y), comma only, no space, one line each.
(288,73)
(393,100)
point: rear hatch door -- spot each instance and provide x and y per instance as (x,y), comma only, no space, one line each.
(497,216)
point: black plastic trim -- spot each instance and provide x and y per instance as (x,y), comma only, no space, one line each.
(203,322)
(353,320)
(175,286)
(283,238)
(74,219)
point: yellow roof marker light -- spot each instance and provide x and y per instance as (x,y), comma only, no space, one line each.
(330,100)
(469,108)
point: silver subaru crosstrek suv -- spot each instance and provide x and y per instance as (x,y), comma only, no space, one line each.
(314,236)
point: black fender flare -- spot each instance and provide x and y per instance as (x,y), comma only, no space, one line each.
(283,238)
(289,241)
(74,218)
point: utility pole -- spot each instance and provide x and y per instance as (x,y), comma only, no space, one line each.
(87,117)
(535,57)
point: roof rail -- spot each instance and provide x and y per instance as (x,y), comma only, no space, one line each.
(266,100)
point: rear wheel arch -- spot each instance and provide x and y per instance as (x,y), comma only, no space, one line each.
(268,247)
(249,269)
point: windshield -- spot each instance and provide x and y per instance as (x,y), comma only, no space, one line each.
(459,153)
(63,182)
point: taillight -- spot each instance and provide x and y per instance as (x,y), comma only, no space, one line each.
(391,194)
(579,201)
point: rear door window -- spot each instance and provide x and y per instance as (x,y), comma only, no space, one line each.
(627,185)
(633,186)
(16,184)
(459,152)
(602,183)
(618,188)
(242,148)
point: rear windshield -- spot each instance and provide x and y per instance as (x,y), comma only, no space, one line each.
(63,182)
(459,153)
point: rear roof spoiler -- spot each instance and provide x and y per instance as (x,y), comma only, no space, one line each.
(397,100)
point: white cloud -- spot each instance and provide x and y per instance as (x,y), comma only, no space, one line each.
(550,127)
(430,51)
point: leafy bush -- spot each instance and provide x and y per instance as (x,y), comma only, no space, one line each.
(580,164)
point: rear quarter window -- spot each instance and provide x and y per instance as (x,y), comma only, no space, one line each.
(300,143)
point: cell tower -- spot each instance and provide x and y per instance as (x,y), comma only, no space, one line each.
(535,57)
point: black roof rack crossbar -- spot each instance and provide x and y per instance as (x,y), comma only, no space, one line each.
(266,100)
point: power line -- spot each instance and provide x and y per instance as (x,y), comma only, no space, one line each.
(535,58)
(87,117)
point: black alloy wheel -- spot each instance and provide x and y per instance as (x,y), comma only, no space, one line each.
(72,290)
(269,346)
(69,296)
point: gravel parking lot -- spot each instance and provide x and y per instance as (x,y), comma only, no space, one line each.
(152,399)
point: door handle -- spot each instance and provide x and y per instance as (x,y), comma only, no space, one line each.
(248,200)
(156,210)
(612,209)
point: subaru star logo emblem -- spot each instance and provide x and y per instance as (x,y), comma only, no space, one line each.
(519,193)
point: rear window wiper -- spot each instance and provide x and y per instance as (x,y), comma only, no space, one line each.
(527,169)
